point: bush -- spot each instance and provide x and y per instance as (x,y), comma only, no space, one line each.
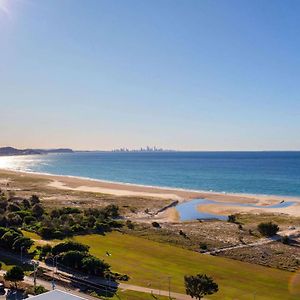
(203,246)
(268,229)
(155,225)
(29,219)
(129,224)
(232,219)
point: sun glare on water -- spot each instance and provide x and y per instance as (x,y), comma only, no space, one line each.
(17,163)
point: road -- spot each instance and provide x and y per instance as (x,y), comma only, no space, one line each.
(48,286)
(99,281)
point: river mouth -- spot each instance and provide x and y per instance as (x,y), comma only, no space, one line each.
(189,211)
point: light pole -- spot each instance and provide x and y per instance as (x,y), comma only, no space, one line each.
(169,279)
(54,258)
(35,265)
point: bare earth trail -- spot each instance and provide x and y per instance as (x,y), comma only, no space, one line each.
(291,233)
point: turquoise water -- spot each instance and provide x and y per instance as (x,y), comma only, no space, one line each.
(276,173)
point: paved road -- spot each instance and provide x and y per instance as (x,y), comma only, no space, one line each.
(95,280)
(48,286)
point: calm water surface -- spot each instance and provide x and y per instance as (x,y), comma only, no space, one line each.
(276,173)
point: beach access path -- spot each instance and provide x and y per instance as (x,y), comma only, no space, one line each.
(291,233)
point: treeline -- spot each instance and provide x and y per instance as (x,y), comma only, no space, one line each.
(76,256)
(31,215)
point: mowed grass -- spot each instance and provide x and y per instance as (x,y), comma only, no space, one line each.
(150,263)
(132,295)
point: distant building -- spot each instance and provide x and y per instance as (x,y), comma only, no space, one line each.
(57,295)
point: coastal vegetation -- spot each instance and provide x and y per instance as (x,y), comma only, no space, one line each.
(162,251)
(75,256)
(268,229)
(30,215)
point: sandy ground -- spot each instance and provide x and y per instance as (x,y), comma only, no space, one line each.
(216,209)
(98,186)
(112,191)
(120,189)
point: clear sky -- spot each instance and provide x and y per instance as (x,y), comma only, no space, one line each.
(193,75)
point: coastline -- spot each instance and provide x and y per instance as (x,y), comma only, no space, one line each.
(76,183)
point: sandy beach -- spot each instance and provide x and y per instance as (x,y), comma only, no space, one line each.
(216,209)
(121,189)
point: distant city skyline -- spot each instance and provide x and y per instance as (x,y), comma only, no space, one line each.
(183,75)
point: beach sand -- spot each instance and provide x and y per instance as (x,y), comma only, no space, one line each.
(223,210)
(121,189)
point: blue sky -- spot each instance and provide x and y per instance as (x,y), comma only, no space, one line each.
(191,75)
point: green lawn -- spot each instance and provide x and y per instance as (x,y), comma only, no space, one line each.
(132,295)
(150,263)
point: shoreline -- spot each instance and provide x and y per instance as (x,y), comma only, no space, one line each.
(77,183)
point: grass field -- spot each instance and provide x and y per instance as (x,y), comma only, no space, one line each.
(132,295)
(150,263)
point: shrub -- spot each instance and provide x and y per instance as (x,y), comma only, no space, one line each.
(232,218)
(203,246)
(129,224)
(155,225)
(268,229)
(29,219)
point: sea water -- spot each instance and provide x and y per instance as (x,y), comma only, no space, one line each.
(273,173)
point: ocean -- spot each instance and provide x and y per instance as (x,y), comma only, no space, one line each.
(271,173)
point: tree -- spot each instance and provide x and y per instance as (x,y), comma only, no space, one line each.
(34,199)
(94,265)
(268,229)
(22,243)
(15,274)
(38,210)
(72,259)
(200,285)
(12,207)
(8,239)
(26,204)
(69,246)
